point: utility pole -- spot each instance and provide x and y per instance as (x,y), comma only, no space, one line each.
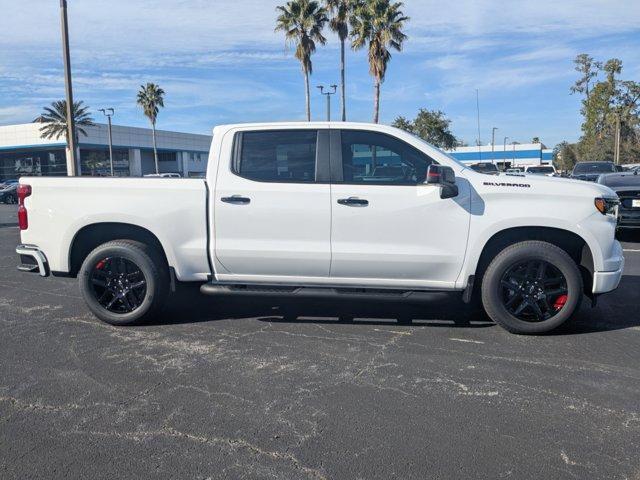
(72,165)
(504,150)
(493,142)
(479,139)
(616,155)
(334,89)
(109,112)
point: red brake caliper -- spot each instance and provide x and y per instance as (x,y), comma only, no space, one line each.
(100,264)
(560,301)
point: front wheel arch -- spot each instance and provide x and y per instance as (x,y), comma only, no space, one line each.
(573,244)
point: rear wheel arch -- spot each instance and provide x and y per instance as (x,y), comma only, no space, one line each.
(94,235)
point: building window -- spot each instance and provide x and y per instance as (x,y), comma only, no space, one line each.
(17,163)
(166,156)
(96,163)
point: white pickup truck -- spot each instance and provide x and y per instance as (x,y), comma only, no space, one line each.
(327,209)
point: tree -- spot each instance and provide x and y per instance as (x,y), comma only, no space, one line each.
(564,156)
(430,125)
(378,25)
(535,140)
(151,99)
(588,68)
(341,11)
(303,22)
(54,120)
(403,124)
(611,112)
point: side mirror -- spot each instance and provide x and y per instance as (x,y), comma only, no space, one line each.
(445,177)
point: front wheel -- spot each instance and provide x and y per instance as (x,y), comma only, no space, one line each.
(124,282)
(531,287)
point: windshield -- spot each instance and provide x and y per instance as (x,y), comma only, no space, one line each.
(593,167)
(484,167)
(540,170)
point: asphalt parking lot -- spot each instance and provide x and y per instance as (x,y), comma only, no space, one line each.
(291,389)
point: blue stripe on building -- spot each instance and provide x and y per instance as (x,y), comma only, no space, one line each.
(497,155)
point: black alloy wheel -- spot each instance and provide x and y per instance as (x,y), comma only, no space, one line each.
(118,284)
(533,290)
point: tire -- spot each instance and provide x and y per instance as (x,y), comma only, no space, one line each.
(503,294)
(111,267)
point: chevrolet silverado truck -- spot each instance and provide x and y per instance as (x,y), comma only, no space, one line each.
(327,209)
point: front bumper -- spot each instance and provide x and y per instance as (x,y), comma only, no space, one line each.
(33,260)
(628,218)
(604,282)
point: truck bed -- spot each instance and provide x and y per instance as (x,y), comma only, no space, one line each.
(173,210)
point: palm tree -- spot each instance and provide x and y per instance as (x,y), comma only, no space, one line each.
(341,11)
(54,120)
(151,98)
(303,21)
(378,24)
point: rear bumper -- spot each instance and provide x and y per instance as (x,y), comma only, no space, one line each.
(33,260)
(604,282)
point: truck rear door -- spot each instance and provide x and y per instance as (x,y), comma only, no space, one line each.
(272,210)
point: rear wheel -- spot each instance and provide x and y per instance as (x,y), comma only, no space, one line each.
(124,282)
(531,287)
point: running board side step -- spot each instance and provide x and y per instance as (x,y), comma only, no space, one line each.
(277,290)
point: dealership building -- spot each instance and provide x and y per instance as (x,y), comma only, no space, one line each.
(505,156)
(23,151)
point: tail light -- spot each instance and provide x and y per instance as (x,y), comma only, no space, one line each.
(23,192)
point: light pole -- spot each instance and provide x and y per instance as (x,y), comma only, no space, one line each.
(493,142)
(72,167)
(504,150)
(334,89)
(109,112)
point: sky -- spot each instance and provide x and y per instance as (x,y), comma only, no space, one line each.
(220,61)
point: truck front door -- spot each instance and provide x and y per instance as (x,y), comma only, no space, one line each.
(389,227)
(272,210)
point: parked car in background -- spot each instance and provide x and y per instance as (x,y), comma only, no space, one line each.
(485,167)
(627,186)
(513,170)
(8,193)
(163,175)
(590,171)
(6,183)
(548,170)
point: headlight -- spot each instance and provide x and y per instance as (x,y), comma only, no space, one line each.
(607,206)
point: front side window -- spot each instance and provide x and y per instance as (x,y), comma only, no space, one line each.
(277,156)
(376,158)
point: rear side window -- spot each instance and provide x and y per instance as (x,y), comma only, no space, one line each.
(277,156)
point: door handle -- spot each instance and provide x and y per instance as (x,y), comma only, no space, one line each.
(236,200)
(353,202)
